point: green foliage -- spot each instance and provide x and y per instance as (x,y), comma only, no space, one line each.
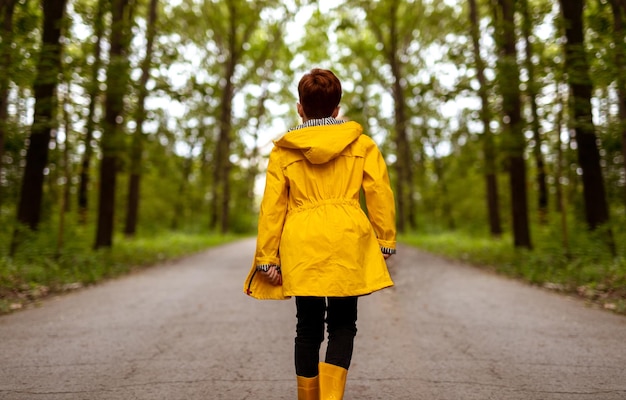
(27,41)
(583,265)
(40,267)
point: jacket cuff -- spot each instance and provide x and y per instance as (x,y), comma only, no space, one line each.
(266,262)
(266,267)
(387,246)
(387,250)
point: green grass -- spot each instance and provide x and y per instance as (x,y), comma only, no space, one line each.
(586,268)
(38,269)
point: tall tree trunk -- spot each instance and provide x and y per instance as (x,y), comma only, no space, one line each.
(619,31)
(508,73)
(403,164)
(48,69)
(489,153)
(7,8)
(220,210)
(444,198)
(94,93)
(391,40)
(577,67)
(222,147)
(541,179)
(221,171)
(561,198)
(182,188)
(253,170)
(138,137)
(67,149)
(64,196)
(112,140)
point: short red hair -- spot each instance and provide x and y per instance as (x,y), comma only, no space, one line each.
(320,93)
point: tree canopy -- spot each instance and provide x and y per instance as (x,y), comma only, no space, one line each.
(495,116)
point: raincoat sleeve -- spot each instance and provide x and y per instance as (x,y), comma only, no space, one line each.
(379,198)
(271,219)
(272,214)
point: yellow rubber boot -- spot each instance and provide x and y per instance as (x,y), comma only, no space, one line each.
(332,381)
(308,388)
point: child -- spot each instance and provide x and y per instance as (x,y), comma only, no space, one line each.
(314,240)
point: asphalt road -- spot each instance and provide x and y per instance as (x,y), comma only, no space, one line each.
(185,330)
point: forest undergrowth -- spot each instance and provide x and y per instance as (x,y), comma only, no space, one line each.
(42,267)
(579,264)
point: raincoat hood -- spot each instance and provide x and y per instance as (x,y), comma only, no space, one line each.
(321,144)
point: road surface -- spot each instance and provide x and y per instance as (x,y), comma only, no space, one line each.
(184,330)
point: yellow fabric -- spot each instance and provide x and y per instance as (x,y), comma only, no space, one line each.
(311,223)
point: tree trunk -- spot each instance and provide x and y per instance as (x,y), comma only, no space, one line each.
(489,153)
(64,196)
(542,187)
(67,150)
(444,200)
(112,140)
(138,138)
(406,208)
(403,152)
(619,19)
(561,204)
(94,93)
(7,8)
(514,142)
(48,69)
(221,172)
(253,159)
(220,212)
(182,188)
(596,207)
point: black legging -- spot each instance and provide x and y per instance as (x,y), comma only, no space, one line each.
(341,320)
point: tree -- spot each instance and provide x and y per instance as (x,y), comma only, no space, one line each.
(489,153)
(138,137)
(112,140)
(577,68)
(237,32)
(94,93)
(532,92)
(514,143)
(48,69)
(619,30)
(7,8)
(395,37)
(561,204)
(241,44)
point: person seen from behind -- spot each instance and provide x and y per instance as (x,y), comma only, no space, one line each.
(315,243)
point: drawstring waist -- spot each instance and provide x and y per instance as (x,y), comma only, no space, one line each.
(309,206)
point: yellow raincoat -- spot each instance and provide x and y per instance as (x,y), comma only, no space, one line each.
(311,223)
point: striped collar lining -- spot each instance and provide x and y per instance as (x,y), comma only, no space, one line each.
(318,122)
